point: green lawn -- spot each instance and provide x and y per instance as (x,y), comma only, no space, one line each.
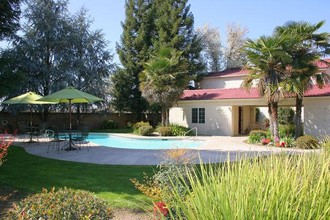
(29,173)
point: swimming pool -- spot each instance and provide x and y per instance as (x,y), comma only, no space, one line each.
(110,140)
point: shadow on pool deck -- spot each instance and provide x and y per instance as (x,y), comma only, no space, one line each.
(215,149)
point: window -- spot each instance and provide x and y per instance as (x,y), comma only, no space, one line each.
(198,115)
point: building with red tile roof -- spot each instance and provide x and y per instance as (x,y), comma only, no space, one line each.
(221,107)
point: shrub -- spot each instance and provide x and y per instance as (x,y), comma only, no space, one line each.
(142,128)
(172,130)
(5,142)
(178,130)
(109,124)
(61,204)
(279,187)
(145,130)
(161,185)
(285,116)
(256,136)
(288,141)
(287,130)
(307,142)
(137,125)
(164,131)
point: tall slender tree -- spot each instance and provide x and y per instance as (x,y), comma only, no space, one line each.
(267,64)
(134,50)
(306,46)
(175,28)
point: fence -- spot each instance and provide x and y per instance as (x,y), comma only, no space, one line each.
(61,120)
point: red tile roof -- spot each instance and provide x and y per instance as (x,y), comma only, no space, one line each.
(232,72)
(323,63)
(316,91)
(238,93)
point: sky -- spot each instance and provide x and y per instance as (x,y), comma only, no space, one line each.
(260,17)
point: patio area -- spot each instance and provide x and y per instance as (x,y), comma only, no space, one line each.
(215,149)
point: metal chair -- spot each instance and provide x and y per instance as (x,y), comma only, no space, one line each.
(82,138)
(55,140)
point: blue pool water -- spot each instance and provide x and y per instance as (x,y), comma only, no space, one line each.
(138,143)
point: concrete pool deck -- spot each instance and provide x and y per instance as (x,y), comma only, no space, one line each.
(215,149)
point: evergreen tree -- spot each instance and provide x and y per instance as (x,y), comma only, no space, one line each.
(149,26)
(10,77)
(133,50)
(175,29)
(57,50)
(9,18)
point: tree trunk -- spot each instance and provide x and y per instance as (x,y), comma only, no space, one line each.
(167,119)
(299,129)
(163,112)
(274,107)
(270,118)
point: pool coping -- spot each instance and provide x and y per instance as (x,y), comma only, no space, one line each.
(216,149)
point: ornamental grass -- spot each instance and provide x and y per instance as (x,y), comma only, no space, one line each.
(276,187)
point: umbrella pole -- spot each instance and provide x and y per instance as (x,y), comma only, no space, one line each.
(30,124)
(70,125)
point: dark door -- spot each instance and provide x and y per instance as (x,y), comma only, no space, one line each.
(240,120)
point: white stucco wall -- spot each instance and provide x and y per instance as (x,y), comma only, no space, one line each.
(218,118)
(221,82)
(317,116)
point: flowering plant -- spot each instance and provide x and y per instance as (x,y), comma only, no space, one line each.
(160,208)
(265,141)
(280,144)
(5,142)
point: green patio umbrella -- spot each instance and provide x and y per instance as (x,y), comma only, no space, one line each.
(70,95)
(29,98)
(26,98)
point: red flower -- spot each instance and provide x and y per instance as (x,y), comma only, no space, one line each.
(265,141)
(160,207)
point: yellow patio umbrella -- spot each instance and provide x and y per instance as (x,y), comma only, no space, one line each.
(70,95)
(29,98)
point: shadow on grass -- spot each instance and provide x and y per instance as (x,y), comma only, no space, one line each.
(30,173)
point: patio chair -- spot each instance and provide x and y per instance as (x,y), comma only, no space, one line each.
(82,138)
(54,140)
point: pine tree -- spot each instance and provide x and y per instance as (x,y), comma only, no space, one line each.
(149,26)
(9,18)
(133,50)
(175,29)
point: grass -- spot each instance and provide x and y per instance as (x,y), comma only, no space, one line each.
(29,174)
(277,187)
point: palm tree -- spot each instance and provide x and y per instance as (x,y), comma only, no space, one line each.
(305,47)
(266,66)
(164,79)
